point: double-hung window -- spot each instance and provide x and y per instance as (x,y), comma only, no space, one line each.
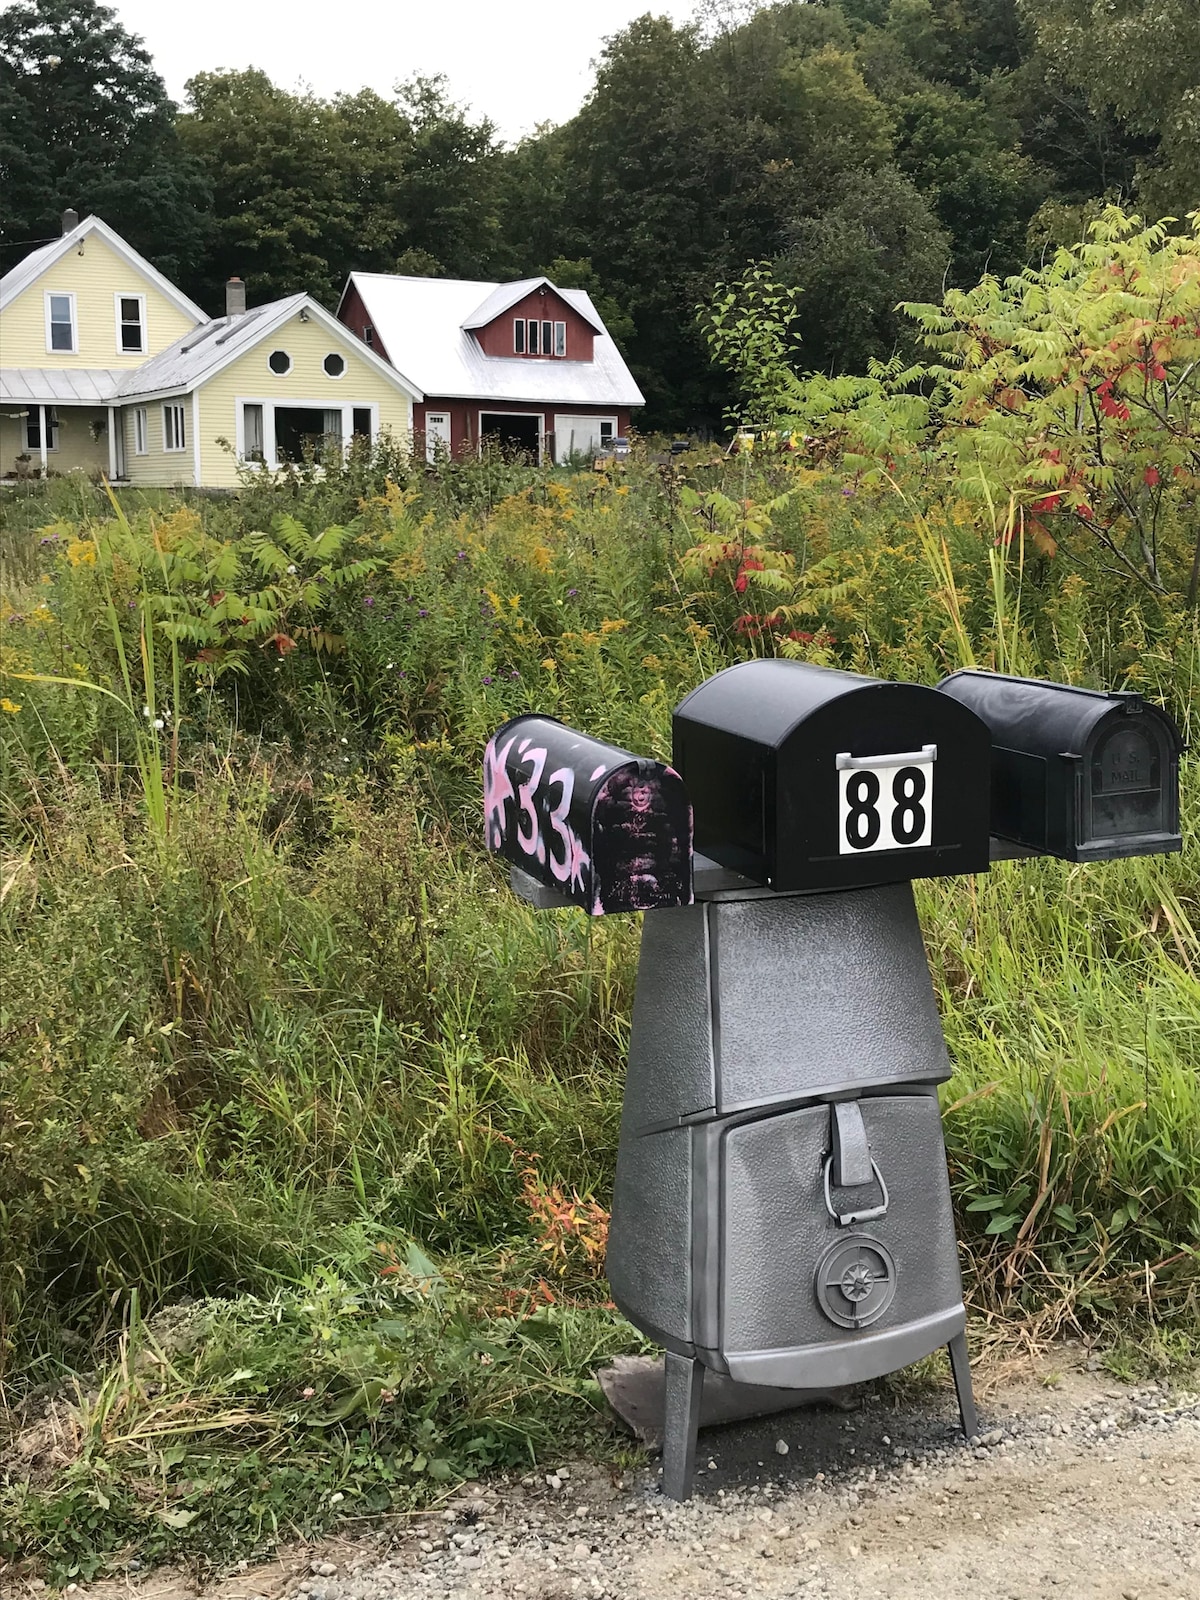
(131,324)
(140,446)
(560,338)
(60,323)
(519,336)
(174,437)
(33,428)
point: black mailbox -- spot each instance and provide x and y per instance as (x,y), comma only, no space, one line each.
(803,778)
(1076,773)
(598,827)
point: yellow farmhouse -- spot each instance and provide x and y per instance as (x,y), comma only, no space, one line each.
(105,367)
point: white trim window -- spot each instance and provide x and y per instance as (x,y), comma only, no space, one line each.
(33,428)
(131,324)
(61,325)
(253,438)
(532,337)
(141,445)
(174,429)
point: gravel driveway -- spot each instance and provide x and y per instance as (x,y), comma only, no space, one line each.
(1077,1487)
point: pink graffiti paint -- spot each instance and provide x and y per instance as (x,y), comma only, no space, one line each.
(497,789)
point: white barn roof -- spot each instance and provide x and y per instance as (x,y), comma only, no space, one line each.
(424,323)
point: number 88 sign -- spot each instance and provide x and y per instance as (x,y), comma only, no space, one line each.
(885,802)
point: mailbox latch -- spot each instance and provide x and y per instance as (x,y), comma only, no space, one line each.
(849,1164)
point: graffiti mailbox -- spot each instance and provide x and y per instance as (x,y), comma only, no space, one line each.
(595,826)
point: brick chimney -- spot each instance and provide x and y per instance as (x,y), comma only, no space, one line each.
(235,298)
(70,219)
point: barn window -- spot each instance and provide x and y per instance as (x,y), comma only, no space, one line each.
(560,338)
(533,338)
(519,335)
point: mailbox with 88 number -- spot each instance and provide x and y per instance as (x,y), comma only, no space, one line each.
(802,778)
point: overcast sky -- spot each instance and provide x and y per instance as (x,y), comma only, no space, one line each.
(519,62)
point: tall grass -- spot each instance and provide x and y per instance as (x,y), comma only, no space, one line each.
(278,1046)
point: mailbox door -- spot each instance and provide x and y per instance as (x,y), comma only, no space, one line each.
(1128,784)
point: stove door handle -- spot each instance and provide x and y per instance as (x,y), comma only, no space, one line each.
(846,1219)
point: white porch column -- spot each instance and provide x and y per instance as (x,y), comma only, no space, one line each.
(347,429)
(197,472)
(112,443)
(42,436)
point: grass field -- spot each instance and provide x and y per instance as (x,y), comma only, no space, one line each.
(307,1125)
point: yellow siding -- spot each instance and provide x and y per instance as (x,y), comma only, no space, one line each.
(250,379)
(95,278)
(77,450)
(158,468)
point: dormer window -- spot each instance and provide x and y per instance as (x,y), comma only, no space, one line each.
(532,337)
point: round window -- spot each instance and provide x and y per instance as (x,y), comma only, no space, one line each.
(279,362)
(334,364)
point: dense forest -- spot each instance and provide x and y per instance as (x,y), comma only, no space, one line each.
(871,151)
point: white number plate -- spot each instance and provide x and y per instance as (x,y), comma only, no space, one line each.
(885,802)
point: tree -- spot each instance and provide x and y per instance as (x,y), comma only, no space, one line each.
(855,261)
(1141,58)
(283,204)
(85,122)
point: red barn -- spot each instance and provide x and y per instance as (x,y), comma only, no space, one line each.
(525,364)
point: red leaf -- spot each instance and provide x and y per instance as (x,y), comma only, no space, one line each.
(1150,476)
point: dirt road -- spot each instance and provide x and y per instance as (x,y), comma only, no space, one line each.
(1078,1487)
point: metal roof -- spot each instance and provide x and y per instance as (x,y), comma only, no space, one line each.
(422,324)
(67,386)
(200,354)
(19,278)
(505,295)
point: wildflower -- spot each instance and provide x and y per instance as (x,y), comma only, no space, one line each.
(848,491)
(345,741)
(10,706)
(389,666)
(422,612)
(159,724)
(514,673)
(489,680)
(550,664)
(368,600)
(571,593)
(307,1394)
(402,674)
(461,556)
(613,625)
(146,712)
(292,567)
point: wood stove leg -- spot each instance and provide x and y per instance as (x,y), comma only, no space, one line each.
(961,1367)
(684,1384)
